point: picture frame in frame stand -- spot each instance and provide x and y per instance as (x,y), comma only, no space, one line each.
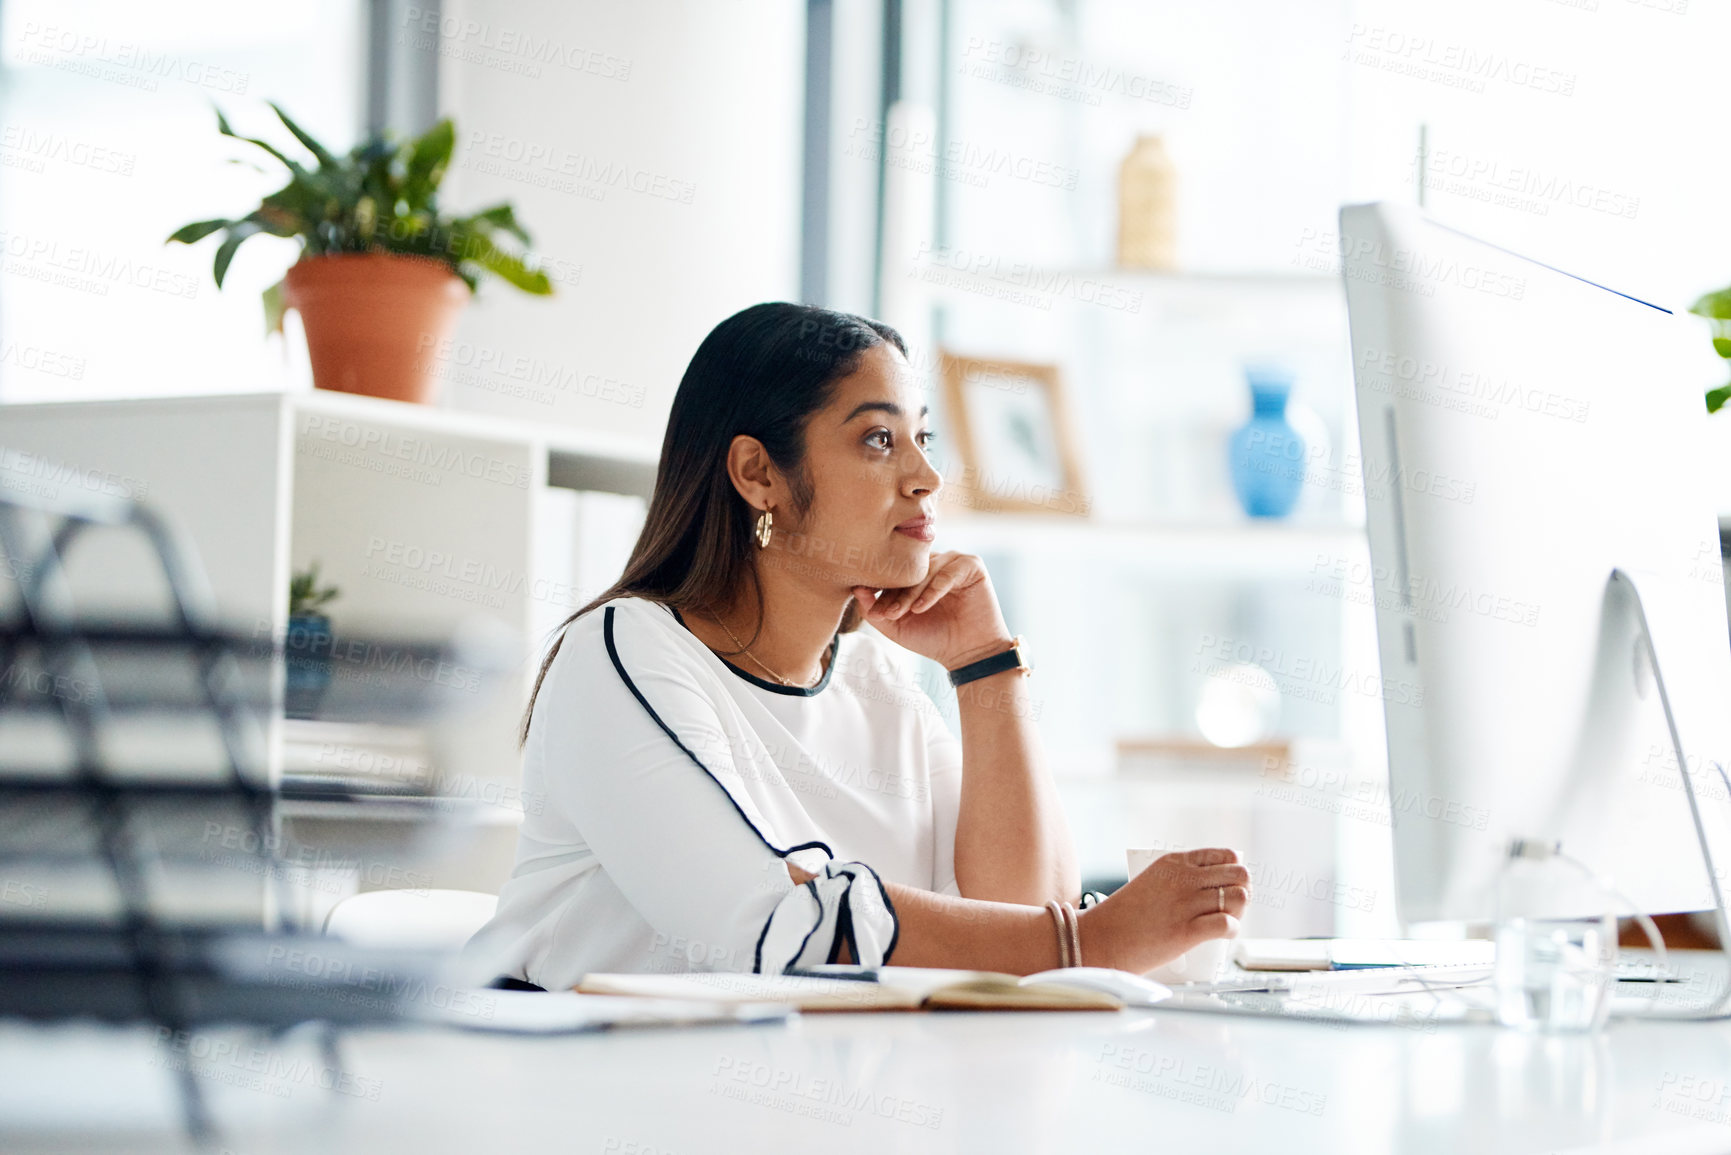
(1012,429)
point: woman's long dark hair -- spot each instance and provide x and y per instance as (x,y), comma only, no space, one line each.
(762,373)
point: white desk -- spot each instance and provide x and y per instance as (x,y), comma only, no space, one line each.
(1162,1081)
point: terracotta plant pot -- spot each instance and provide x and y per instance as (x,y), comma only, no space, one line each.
(375,322)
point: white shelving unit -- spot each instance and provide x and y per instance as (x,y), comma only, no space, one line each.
(425,519)
(1168,591)
(1248,549)
(1155,285)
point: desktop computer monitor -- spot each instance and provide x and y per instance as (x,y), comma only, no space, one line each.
(1525,435)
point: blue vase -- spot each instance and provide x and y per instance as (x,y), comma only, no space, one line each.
(1266,453)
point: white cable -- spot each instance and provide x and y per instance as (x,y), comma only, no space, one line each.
(1651,928)
(1539,851)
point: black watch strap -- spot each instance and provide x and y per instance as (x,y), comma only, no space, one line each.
(1010,659)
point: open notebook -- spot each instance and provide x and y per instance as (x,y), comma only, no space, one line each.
(893,989)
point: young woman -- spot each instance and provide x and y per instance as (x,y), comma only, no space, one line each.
(726,773)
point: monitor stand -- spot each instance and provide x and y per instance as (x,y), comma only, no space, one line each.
(1662,632)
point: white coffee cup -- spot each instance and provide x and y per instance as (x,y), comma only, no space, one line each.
(1204,963)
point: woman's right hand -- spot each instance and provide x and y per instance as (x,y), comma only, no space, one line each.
(1172,906)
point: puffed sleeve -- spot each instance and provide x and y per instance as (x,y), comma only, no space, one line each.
(637,755)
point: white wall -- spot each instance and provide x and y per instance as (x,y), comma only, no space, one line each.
(108,143)
(1586,133)
(655,159)
(1615,103)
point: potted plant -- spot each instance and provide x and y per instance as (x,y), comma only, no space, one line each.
(1716,307)
(307,643)
(382,273)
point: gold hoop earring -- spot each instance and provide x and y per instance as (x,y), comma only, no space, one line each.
(764,521)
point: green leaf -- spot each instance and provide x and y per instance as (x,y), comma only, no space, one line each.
(319,151)
(278,222)
(371,152)
(1722,346)
(222,127)
(1716,304)
(428,157)
(225,253)
(274,308)
(366,219)
(294,208)
(499,217)
(472,246)
(305,593)
(411,233)
(197,231)
(1716,398)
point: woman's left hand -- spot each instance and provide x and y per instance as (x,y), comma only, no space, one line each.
(951,617)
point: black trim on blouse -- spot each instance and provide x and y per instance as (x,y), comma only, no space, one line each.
(619,667)
(844,930)
(895,920)
(811,885)
(508,983)
(766,684)
(613,653)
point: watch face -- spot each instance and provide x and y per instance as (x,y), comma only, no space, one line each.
(1023,660)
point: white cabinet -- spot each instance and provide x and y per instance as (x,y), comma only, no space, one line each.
(428,521)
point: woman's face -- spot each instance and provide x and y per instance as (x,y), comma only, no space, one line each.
(871,520)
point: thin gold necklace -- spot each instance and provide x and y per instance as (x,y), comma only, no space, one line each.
(735,640)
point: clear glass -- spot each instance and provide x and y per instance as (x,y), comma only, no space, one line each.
(1555,974)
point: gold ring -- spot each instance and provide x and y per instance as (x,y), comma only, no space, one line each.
(1220,898)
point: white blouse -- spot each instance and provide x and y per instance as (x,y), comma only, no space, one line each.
(663,788)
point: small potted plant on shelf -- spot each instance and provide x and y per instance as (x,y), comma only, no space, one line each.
(1716,307)
(307,643)
(382,273)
